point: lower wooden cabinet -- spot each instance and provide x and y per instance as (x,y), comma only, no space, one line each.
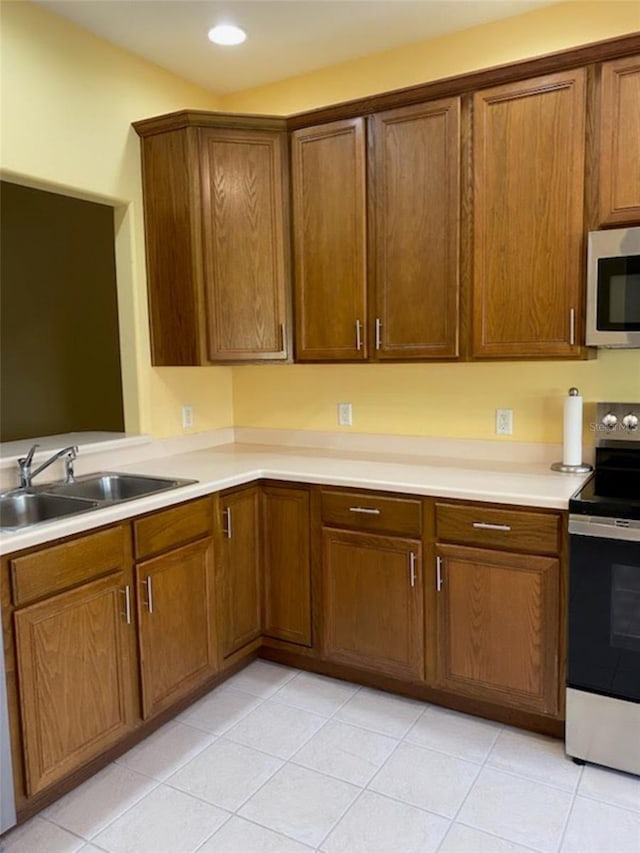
(286,564)
(239,569)
(75,678)
(373,602)
(176,624)
(497,627)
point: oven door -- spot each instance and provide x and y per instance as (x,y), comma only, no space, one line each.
(604,606)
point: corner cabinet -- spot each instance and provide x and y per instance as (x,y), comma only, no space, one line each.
(329,240)
(217,225)
(619,141)
(528,217)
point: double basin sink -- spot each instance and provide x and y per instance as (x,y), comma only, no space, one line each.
(24,507)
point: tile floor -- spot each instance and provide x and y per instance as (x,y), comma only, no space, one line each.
(281,761)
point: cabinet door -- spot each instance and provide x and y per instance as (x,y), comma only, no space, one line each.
(620,141)
(245,252)
(240,612)
(528,231)
(286,564)
(329,228)
(373,602)
(414,215)
(498,627)
(75,678)
(176,623)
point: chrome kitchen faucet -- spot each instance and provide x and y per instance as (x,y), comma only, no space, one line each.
(27,475)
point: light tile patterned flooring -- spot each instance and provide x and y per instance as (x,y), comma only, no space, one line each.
(281,761)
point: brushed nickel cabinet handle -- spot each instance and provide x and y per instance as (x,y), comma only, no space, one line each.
(127,604)
(146,583)
(226,529)
(282,339)
(358,335)
(438,573)
(364,509)
(484,525)
(412,568)
(572,326)
(378,333)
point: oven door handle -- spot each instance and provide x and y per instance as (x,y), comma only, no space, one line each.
(622,529)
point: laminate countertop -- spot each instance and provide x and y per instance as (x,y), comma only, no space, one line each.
(228,465)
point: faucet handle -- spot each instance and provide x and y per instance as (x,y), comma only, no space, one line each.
(27,460)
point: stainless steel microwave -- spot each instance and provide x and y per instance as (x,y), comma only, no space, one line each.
(613,288)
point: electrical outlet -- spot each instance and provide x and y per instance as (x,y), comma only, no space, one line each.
(345,414)
(187,417)
(504,421)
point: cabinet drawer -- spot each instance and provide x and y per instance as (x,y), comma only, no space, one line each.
(172,527)
(369,511)
(512,530)
(52,570)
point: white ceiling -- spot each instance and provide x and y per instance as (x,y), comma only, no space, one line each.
(285,37)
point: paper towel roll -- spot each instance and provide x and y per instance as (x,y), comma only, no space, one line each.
(572,432)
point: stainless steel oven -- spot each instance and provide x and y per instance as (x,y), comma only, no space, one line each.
(613,288)
(603,671)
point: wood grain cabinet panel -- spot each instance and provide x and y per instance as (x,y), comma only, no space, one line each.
(239,570)
(329,238)
(373,602)
(491,527)
(414,197)
(528,220)
(497,619)
(176,623)
(217,226)
(620,141)
(286,564)
(373,512)
(243,207)
(172,527)
(75,685)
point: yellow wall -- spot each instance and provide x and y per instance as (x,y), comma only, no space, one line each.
(436,399)
(68,100)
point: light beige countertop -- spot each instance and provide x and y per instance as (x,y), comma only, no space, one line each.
(227,465)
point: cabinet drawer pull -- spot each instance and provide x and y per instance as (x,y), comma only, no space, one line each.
(358,335)
(378,333)
(146,583)
(282,339)
(365,509)
(412,568)
(484,525)
(226,528)
(438,573)
(127,604)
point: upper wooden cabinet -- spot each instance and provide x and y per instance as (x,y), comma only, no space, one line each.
(387,289)
(216,219)
(528,221)
(619,139)
(414,202)
(329,230)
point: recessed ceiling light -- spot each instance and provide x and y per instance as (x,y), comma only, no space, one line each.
(227,34)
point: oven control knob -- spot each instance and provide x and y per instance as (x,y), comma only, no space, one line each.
(610,420)
(630,421)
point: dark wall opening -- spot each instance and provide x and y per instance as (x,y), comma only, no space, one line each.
(59,342)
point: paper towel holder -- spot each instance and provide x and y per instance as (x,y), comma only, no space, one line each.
(582,467)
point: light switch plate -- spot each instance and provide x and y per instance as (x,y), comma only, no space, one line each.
(504,421)
(187,417)
(345,414)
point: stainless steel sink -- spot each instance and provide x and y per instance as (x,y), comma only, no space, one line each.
(22,508)
(25,507)
(115,488)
